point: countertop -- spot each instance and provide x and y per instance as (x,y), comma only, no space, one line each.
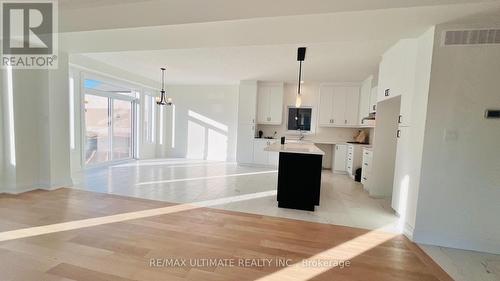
(301,148)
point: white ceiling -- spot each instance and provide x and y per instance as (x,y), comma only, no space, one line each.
(228,65)
(342,46)
(79,15)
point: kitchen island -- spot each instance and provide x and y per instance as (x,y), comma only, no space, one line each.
(299,175)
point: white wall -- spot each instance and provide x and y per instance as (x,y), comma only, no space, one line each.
(3,134)
(35,126)
(204,125)
(459,194)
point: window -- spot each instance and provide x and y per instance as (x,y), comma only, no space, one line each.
(299,119)
(150,118)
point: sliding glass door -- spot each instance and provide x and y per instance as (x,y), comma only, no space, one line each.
(109,131)
(97,121)
(122,129)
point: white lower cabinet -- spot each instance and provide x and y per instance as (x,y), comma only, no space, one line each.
(339,159)
(366,167)
(402,171)
(262,157)
(354,156)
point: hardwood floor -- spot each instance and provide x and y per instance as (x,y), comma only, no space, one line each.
(77,235)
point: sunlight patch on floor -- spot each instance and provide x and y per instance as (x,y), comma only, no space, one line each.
(330,258)
(72,225)
(207,178)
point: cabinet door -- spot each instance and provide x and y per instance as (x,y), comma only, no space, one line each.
(339,164)
(246,135)
(402,171)
(274,159)
(275,105)
(405,111)
(325,106)
(263,100)
(260,156)
(352,106)
(247,103)
(364,99)
(373,100)
(339,103)
(389,74)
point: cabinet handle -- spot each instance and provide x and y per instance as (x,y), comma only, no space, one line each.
(399,119)
(345,122)
(366,164)
(398,134)
(374,107)
(333,120)
(387,92)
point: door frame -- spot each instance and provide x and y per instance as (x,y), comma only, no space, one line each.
(134,100)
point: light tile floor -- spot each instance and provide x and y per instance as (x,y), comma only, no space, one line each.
(253,190)
(238,188)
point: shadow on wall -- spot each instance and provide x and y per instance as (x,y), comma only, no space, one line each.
(206,138)
(196,136)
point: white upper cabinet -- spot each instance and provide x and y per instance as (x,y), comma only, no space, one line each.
(397,76)
(373,100)
(326,106)
(364,98)
(270,103)
(339,106)
(247,102)
(351,106)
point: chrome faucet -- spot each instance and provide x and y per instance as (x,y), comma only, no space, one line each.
(301,134)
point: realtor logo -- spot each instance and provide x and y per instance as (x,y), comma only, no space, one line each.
(29,34)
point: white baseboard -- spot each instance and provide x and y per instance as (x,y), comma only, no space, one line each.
(22,188)
(459,242)
(408,231)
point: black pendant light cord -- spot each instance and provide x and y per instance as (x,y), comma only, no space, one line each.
(300,75)
(163,79)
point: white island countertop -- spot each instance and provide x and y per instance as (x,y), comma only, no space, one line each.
(301,148)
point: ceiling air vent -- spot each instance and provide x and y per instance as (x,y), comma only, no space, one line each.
(471,37)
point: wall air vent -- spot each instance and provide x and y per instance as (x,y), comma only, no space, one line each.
(471,37)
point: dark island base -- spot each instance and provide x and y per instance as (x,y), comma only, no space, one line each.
(299,181)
